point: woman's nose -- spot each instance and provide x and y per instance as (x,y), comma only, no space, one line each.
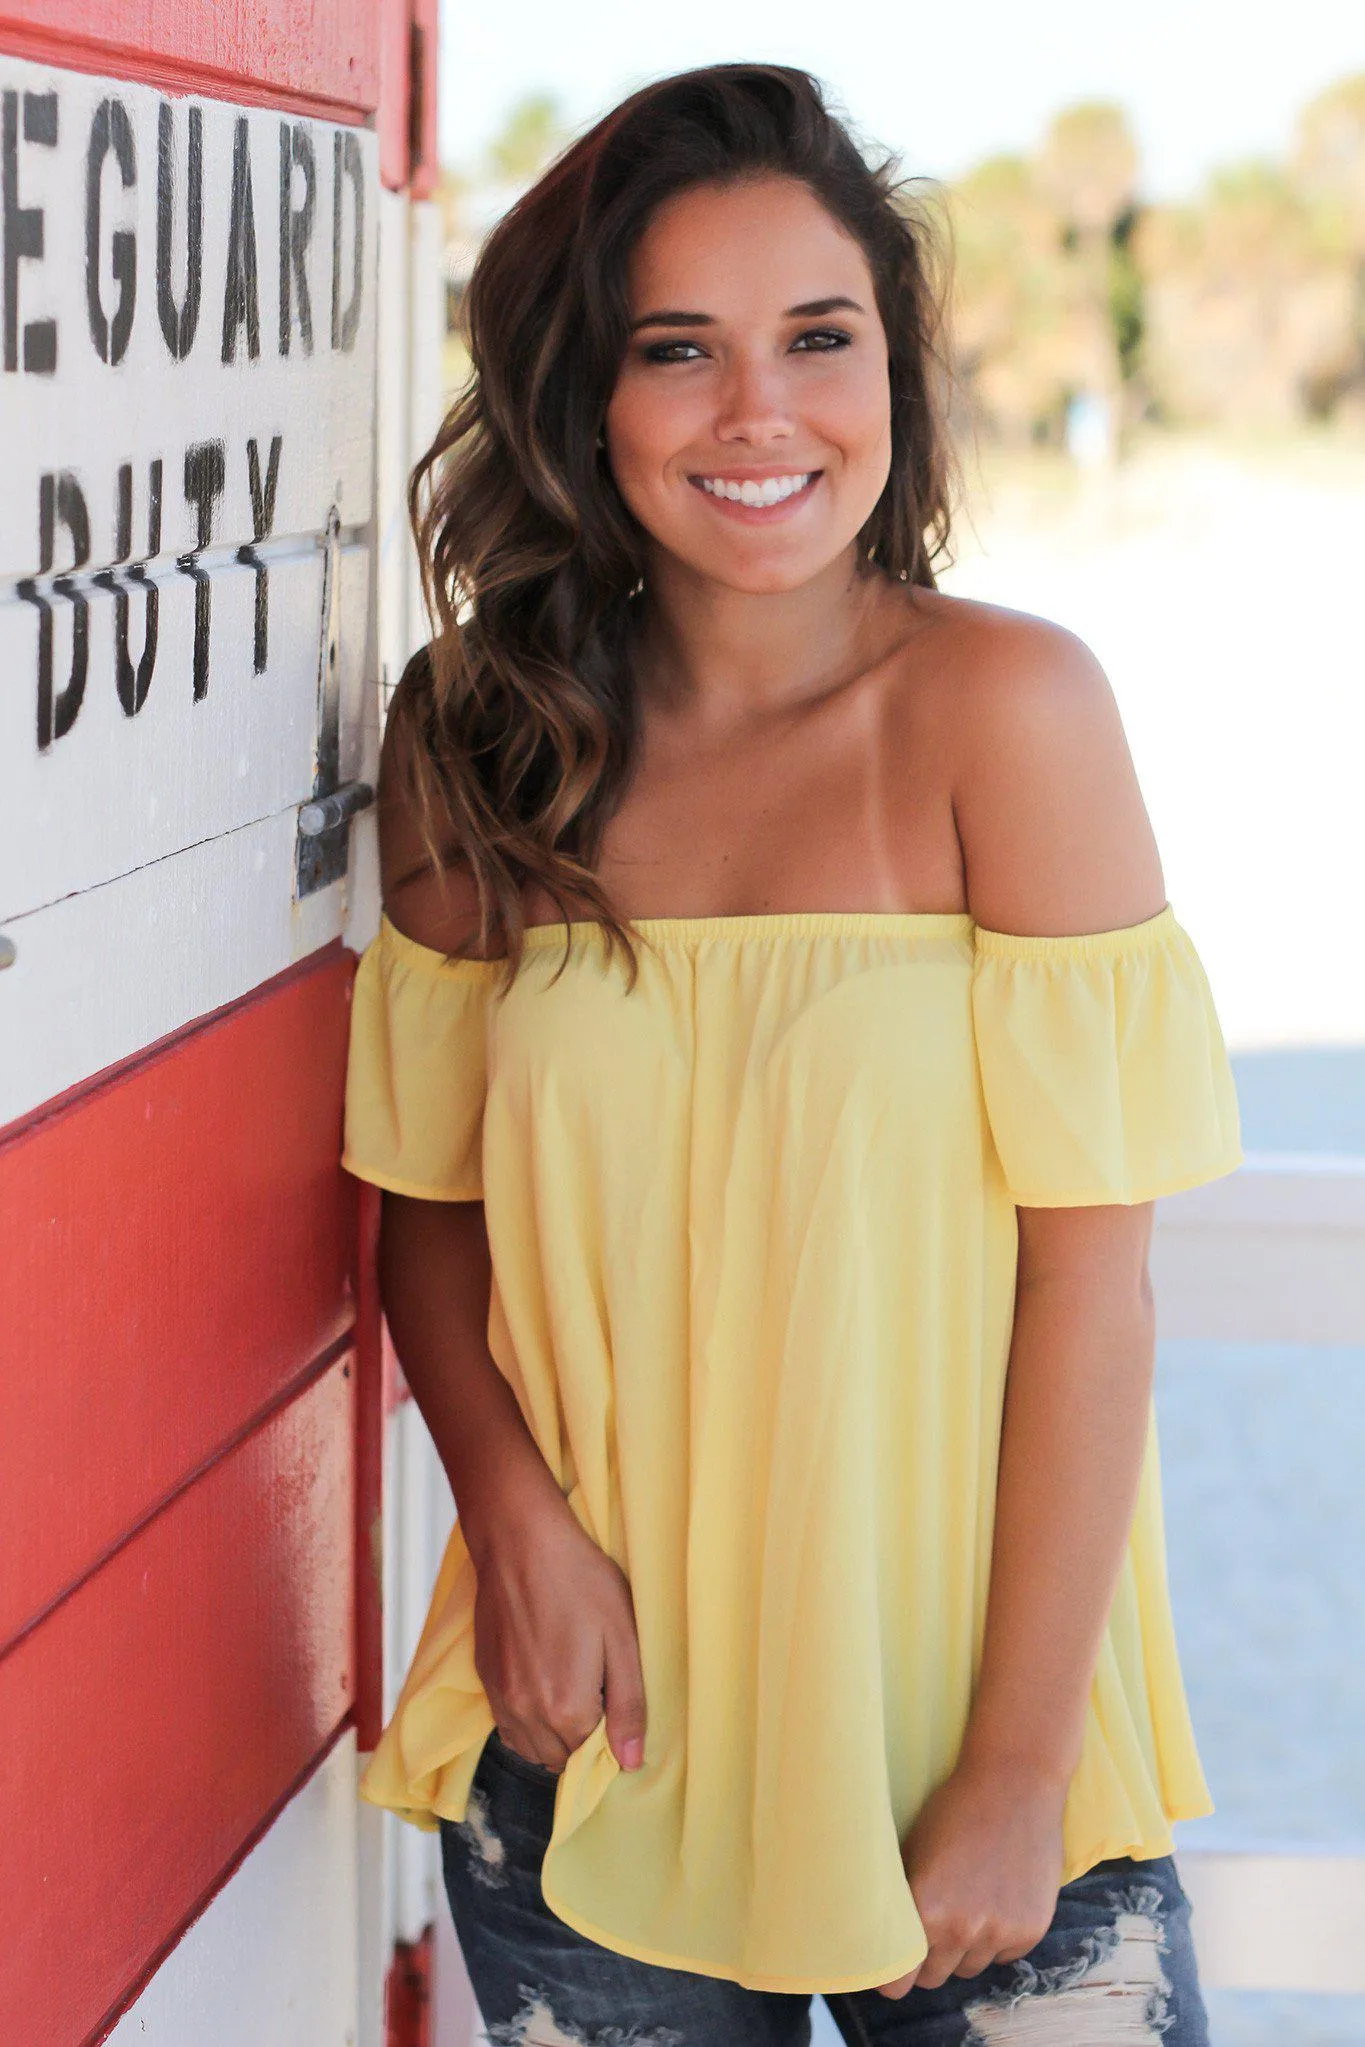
(755,402)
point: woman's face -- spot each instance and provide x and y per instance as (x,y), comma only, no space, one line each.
(757,364)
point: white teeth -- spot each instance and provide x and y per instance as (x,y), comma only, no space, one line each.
(771,491)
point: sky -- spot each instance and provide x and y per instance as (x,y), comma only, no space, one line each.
(1205,82)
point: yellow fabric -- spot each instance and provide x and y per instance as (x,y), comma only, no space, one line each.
(754,1243)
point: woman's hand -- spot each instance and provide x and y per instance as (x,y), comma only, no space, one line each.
(984,1864)
(554,1636)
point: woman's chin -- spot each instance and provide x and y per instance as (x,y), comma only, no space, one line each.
(764,573)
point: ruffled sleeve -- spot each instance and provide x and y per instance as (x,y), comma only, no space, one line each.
(417,1069)
(1103,1066)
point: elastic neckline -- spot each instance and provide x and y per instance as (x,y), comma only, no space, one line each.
(1086,945)
(777,924)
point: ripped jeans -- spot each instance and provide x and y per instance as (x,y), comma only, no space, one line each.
(1115,1969)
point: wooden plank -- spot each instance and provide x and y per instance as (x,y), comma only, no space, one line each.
(408,36)
(164,1710)
(291,1907)
(1275,1253)
(99,976)
(177,1246)
(370,1422)
(321,55)
(152,316)
(116,793)
(190,440)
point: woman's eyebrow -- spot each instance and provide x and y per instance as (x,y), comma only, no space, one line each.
(812,309)
(667,319)
(815,308)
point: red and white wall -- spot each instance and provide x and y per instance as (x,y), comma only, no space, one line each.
(219,354)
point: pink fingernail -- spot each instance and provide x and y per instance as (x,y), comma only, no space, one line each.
(632,1753)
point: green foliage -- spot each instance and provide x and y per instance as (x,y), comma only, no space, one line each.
(1246,303)
(533,132)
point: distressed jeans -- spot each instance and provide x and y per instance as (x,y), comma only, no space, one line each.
(1115,1969)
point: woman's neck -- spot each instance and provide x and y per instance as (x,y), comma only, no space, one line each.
(714,656)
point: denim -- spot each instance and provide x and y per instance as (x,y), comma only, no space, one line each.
(1116,1965)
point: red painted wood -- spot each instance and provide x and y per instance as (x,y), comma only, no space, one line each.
(407,1994)
(369,1531)
(318,56)
(426,16)
(159,1714)
(178,1241)
(407,95)
(394,70)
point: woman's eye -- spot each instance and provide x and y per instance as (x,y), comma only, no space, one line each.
(822,340)
(669,351)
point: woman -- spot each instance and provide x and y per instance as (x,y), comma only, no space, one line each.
(774,1042)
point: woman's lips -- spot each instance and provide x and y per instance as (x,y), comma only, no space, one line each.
(759,515)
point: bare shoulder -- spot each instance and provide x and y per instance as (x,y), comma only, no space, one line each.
(437,905)
(1054,833)
(993,666)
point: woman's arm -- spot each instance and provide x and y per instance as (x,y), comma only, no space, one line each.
(553,1623)
(1055,842)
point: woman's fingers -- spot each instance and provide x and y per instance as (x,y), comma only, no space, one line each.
(946,1950)
(624,1686)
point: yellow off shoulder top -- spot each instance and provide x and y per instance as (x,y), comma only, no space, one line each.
(754,1243)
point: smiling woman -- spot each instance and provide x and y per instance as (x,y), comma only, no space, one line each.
(700,393)
(773,1277)
(659,268)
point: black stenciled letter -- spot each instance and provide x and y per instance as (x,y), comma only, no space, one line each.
(23,227)
(241,296)
(133,683)
(205,470)
(262,525)
(60,498)
(110,129)
(296,225)
(346,164)
(179,323)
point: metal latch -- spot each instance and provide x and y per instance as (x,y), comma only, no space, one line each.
(322,846)
(329,813)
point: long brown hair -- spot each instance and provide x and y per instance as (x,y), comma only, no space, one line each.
(521,715)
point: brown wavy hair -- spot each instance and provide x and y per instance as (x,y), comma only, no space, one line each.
(521,715)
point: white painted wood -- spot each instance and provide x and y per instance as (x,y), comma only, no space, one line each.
(1274,1253)
(426,372)
(92,413)
(117,793)
(1285,1921)
(419,1513)
(99,975)
(374,1936)
(147,828)
(393,437)
(272,1959)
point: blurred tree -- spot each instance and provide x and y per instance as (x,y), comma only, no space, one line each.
(532,132)
(1329,168)
(1010,306)
(1248,296)
(1088,168)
